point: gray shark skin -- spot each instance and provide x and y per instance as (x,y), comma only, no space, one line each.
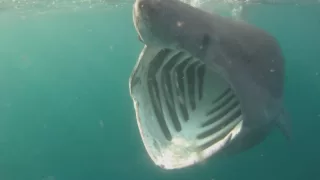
(282,2)
(203,84)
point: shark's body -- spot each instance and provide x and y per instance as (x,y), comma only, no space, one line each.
(203,84)
(238,8)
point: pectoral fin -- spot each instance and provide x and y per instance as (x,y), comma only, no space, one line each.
(284,124)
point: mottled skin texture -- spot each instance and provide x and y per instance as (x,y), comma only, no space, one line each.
(247,57)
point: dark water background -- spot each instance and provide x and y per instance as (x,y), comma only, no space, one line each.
(66,114)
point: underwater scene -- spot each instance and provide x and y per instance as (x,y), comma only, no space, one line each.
(159,89)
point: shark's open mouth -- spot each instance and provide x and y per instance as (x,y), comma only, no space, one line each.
(185,111)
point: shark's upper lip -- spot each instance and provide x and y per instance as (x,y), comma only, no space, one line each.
(140,19)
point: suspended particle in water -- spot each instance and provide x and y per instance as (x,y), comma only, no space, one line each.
(180,23)
(101,123)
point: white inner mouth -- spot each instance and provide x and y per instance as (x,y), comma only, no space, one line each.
(185,111)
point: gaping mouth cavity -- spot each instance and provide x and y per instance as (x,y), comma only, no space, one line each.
(185,111)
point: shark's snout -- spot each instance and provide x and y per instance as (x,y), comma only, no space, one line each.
(144,3)
(148,18)
(141,17)
(143,8)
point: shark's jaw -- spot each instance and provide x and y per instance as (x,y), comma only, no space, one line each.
(185,111)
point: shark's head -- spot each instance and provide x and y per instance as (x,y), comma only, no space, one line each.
(187,108)
(172,24)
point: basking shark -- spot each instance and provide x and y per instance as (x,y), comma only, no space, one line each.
(203,84)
